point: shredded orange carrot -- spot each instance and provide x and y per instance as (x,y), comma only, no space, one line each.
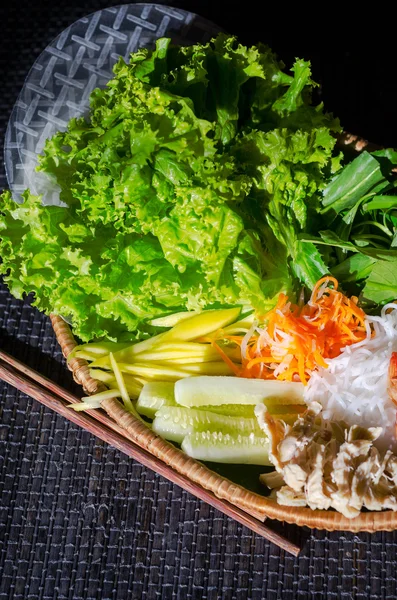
(263,359)
(236,370)
(296,339)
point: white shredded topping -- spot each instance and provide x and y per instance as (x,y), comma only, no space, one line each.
(246,339)
(283,366)
(354,386)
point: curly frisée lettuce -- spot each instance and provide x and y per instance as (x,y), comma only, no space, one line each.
(186,187)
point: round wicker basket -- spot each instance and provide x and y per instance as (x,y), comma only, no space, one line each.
(195,471)
(255,504)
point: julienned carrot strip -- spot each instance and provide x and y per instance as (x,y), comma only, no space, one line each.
(349,333)
(263,359)
(301,368)
(310,334)
(319,359)
(325,279)
(236,370)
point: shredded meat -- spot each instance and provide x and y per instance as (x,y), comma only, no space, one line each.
(391,467)
(272,480)
(275,429)
(290,498)
(300,435)
(315,490)
(347,473)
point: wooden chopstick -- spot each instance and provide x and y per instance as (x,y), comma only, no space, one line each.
(107,419)
(55,397)
(58,390)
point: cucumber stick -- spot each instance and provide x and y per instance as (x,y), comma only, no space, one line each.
(231,410)
(225,448)
(207,390)
(156,394)
(153,396)
(247,411)
(174,423)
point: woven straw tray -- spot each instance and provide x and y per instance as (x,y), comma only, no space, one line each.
(196,472)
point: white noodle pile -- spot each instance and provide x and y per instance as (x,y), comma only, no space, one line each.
(354,386)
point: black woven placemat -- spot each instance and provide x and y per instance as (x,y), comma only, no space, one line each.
(78,519)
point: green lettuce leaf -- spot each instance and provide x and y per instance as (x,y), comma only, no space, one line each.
(381,285)
(186,187)
(361,176)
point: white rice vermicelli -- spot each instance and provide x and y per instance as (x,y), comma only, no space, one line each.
(354,386)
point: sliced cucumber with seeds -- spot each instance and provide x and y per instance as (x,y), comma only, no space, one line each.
(244,411)
(225,448)
(153,396)
(174,423)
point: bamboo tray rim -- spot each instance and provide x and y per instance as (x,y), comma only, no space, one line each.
(329,520)
(53,396)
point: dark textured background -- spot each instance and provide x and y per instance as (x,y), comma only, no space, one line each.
(80,520)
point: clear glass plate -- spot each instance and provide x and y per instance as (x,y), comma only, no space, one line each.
(81,58)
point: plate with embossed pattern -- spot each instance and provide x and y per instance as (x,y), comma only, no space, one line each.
(80,59)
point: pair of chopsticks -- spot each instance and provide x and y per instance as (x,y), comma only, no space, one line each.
(53,396)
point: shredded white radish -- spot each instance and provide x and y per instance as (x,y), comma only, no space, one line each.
(246,339)
(354,386)
(283,366)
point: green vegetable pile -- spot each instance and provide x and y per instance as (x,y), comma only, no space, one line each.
(201,178)
(360,204)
